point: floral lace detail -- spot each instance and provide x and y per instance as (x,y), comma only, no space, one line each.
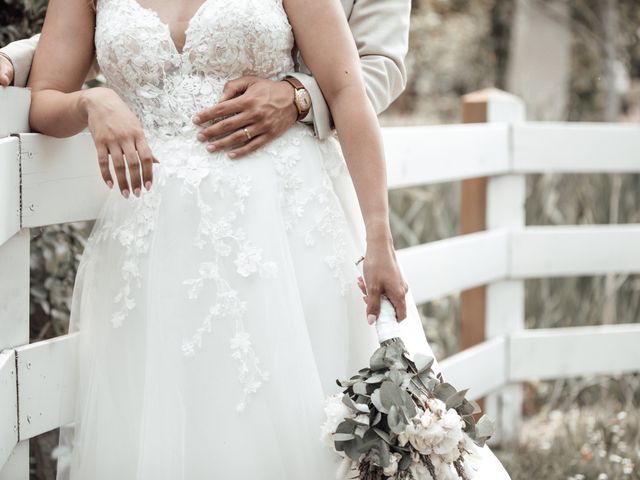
(330,221)
(224,40)
(165,88)
(133,235)
(222,236)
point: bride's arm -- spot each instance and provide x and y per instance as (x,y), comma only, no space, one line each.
(61,62)
(60,108)
(326,43)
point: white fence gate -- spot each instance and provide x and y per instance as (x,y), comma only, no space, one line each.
(45,181)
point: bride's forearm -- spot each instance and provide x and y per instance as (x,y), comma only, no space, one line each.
(58,114)
(358,129)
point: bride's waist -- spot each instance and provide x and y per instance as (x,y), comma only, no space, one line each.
(176,144)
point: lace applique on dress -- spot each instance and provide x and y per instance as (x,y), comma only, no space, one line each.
(226,240)
(134,235)
(165,88)
(331,221)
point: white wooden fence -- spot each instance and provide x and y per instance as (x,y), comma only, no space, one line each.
(46,181)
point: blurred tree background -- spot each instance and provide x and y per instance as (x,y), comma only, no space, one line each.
(575,60)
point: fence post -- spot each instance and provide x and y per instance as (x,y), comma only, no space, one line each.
(14,331)
(491,203)
(14,279)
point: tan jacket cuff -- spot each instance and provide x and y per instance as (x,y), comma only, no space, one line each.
(319,114)
(21,55)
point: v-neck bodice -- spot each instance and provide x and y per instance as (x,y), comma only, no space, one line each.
(166,87)
(191,20)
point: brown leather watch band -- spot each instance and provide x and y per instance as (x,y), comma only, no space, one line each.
(293,81)
(297,84)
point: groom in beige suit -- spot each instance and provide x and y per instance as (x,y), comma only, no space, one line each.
(380,29)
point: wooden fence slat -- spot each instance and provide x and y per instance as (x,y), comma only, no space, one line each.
(442,153)
(481,368)
(9,188)
(47,374)
(14,330)
(8,405)
(61,180)
(576,147)
(445,267)
(574,351)
(553,251)
(17,101)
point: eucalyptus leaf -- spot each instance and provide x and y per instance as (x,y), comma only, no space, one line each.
(346,399)
(341,437)
(376,419)
(377,402)
(357,422)
(476,407)
(361,407)
(443,391)
(376,378)
(423,362)
(360,388)
(390,394)
(345,427)
(456,399)
(404,462)
(377,359)
(382,434)
(465,408)
(484,427)
(352,448)
(395,423)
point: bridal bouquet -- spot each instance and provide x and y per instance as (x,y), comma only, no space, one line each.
(396,419)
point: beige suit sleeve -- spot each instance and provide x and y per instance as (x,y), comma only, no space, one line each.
(380,29)
(21,54)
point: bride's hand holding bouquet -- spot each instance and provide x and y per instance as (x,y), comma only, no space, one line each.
(382,274)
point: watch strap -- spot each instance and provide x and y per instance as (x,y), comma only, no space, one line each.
(297,85)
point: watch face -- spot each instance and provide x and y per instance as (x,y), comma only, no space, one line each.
(304,100)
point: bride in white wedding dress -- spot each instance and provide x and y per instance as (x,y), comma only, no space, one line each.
(216,309)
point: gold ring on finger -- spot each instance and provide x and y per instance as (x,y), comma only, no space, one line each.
(246,132)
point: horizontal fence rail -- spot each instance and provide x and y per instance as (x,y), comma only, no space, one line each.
(42,178)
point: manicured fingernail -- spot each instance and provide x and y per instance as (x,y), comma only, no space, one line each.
(109,184)
(196,119)
(211,147)
(232,154)
(125,192)
(136,192)
(371,318)
(201,137)
(147,185)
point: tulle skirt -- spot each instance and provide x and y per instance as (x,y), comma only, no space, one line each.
(215,313)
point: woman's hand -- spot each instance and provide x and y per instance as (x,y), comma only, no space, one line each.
(117,132)
(382,276)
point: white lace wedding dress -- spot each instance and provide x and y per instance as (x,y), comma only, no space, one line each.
(216,311)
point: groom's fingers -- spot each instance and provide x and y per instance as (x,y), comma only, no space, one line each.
(224,127)
(236,86)
(228,107)
(251,146)
(239,137)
